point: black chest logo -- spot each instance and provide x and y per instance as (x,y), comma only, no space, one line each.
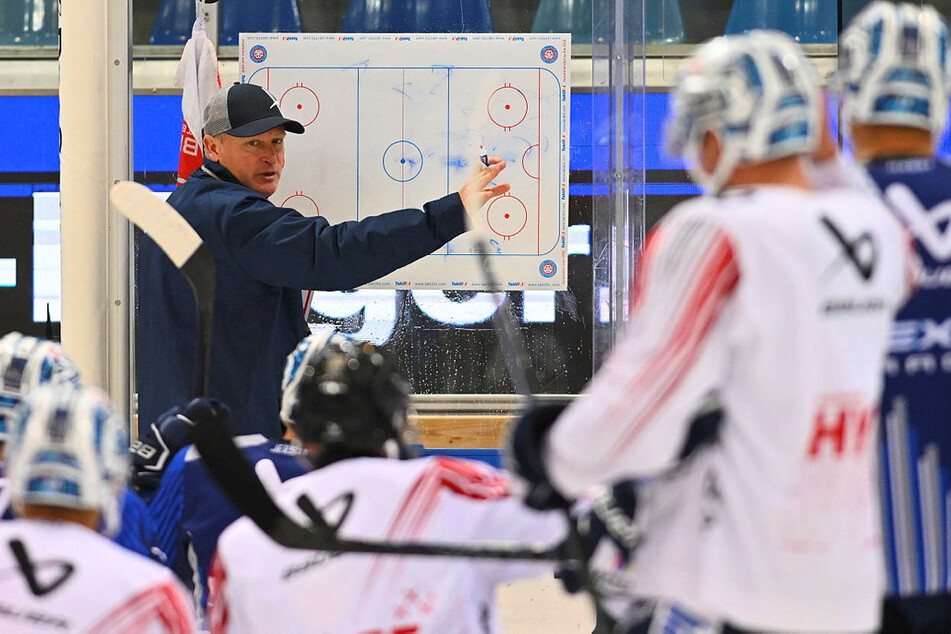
(30,570)
(861,252)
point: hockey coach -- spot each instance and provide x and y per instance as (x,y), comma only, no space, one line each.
(264,255)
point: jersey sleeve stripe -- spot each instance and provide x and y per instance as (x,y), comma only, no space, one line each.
(159,603)
(648,390)
(648,253)
(415,511)
(217,601)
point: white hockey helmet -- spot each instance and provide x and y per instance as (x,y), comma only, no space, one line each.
(893,67)
(756,92)
(26,363)
(69,448)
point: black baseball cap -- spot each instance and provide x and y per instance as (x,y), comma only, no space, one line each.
(245,110)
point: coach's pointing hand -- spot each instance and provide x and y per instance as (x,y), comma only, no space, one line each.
(478,190)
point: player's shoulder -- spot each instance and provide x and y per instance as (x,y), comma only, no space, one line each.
(465,477)
(355,471)
(861,201)
(88,546)
(447,474)
(692,226)
(245,442)
(242,532)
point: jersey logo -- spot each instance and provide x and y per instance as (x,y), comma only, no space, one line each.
(842,426)
(334,512)
(29,570)
(861,251)
(924,224)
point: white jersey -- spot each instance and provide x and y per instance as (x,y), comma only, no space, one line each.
(778,302)
(259,586)
(63,577)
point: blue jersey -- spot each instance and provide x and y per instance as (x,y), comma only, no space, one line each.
(189,511)
(916,407)
(135,533)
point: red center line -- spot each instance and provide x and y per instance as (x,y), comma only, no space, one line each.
(538,171)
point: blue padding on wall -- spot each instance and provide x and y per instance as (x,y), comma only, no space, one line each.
(157,128)
(157,135)
(490,456)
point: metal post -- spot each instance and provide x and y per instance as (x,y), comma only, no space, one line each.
(618,222)
(95,115)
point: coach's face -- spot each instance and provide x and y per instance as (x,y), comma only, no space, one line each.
(256,161)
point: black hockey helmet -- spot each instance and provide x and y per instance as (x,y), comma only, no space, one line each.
(345,394)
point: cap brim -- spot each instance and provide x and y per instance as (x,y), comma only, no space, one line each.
(261,126)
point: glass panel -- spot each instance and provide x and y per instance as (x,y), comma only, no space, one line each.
(29,215)
(29,23)
(445,341)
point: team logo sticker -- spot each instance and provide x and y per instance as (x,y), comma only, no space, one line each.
(258,53)
(549,54)
(548,268)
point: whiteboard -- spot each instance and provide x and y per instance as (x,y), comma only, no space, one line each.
(393,121)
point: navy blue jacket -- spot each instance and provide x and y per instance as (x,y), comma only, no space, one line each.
(264,255)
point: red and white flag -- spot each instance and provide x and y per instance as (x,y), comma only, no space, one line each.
(198,77)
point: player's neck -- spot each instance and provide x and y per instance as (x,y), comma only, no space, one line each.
(787,171)
(83,517)
(871,142)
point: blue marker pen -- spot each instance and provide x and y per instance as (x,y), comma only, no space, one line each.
(483,156)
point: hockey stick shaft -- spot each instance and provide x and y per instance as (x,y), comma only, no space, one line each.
(510,340)
(515,354)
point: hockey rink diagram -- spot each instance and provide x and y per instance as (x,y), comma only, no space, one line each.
(385,130)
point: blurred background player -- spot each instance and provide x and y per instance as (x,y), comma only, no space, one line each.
(894,78)
(776,302)
(27,363)
(67,465)
(347,404)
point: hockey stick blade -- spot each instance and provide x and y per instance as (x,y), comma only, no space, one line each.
(183,246)
(234,474)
